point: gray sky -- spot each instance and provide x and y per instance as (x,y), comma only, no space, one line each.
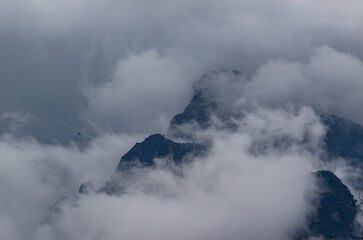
(95,66)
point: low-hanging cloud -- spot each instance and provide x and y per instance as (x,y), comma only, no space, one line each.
(34,176)
(230,194)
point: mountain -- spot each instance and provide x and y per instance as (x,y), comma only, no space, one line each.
(143,154)
(336,212)
(337,208)
(158,146)
(209,100)
(343,138)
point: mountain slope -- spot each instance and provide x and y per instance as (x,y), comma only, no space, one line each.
(336,212)
(158,146)
(337,209)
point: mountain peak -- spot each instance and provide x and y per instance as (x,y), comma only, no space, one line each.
(158,146)
(215,94)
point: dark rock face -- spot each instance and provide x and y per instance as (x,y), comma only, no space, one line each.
(198,110)
(337,209)
(158,146)
(344,138)
(210,99)
(143,155)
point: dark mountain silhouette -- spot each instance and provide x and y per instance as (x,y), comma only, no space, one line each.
(336,211)
(158,146)
(344,138)
(206,103)
(143,155)
(337,208)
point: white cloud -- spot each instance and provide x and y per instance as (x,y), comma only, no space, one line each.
(145,92)
(230,194)
(330,81)
(33,176)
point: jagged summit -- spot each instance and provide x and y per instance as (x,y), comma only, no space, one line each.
(344,138)
(143,155)
(158,146)
(198,110)
(215,94)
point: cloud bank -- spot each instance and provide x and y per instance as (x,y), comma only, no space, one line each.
(229,194)
(34,176)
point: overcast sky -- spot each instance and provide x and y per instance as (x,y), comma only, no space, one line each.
(118,70)
(90,66)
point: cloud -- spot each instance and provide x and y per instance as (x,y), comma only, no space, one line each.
(54,52)
(33,176)
(329,80)
(145,92)
(230,194)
